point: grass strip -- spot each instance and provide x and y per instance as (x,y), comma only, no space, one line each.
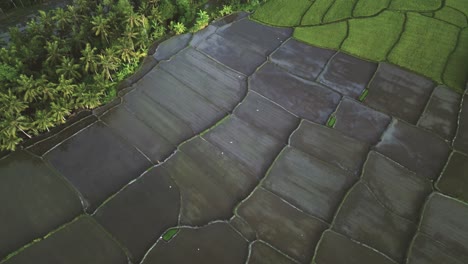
(316,12)
(455,74)
(460,5)
(372,38)
(416,5)
(369,7)
(282,12)
(326,36)
(425,46)
(452,15)
(341,9)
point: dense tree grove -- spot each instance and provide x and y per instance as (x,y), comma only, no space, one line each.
(11,4)
(71,58)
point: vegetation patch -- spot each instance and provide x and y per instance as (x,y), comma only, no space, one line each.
(13,12)
(170,234)
(326,36)
(72,58)
(331,121)
(282,12)
(452,16)
(364,95)
(316,12)
(416,5)
(455,74)
(373,38)
(341,9)
(425,45)
(369,7)
(460,5)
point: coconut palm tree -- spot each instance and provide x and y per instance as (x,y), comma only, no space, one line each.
(9,103)
(89,58)
(46,21)
(34,27)
(45,88)
(144,21)
(158,30)
(27,86)
(69,69)
(133,20)
(11,123)
(100,26)
(54,53)
(42,121)
(108,61)
(58,111)
(16,37)
(65,87)
(127,50)
(28,55)
(100,83)
(89,99)
(9,142)
(156,15)
(86,96)
(82,6)
(143,38)
(73,13)
(62,18)
(130,36)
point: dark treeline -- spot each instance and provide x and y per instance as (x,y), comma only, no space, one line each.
(71,58)
(6,5)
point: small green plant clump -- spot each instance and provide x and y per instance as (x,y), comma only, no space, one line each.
(203,18)
(69,59)
(177,27)
(170,234)
(331,121)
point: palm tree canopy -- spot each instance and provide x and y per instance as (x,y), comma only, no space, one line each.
(69,69)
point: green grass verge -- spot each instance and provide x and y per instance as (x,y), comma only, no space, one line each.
(416,5)
(460,5)
(282,12)
(170,234)
(363,95)
(456,73)
(327,36)
(373,38)
(316,12)
(341,9)
(369,7)
(425,45)
(331,121)
(452,15)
